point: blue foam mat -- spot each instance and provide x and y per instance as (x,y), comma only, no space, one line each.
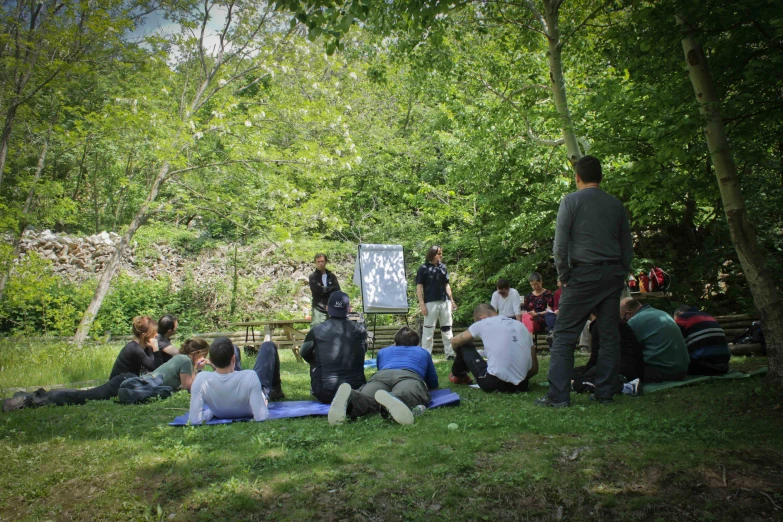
(291,409)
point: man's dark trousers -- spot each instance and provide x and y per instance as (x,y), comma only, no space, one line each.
(267,367)
(469,360)
(589,289)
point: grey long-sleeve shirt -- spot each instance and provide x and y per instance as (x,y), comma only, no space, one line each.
(592,226)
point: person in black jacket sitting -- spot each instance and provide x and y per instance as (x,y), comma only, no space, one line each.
(631,361)
(335,350)
(141,352)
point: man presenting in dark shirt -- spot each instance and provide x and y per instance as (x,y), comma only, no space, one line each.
(435,300)
(322,284)
(593,252)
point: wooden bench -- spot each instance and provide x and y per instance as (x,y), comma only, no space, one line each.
(291,336)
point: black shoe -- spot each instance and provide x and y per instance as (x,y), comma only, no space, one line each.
(548,402)
(19,401)
(450,357)
(276,394)
(602,400)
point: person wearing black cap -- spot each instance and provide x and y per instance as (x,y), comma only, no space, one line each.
(335,350)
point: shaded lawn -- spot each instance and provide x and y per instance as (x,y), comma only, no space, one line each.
(707,452)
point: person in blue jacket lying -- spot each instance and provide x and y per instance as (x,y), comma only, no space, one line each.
(400,387)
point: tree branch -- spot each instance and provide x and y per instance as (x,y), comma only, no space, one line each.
(584,22)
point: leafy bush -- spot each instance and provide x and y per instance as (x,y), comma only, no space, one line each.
(38,301)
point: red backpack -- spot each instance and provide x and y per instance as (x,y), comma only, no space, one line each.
(658,280)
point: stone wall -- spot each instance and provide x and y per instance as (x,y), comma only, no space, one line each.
(81,258)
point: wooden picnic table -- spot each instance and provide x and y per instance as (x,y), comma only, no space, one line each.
(294,338)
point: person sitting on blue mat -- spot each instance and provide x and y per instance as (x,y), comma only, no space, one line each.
(665,355)
(405,374)
(227,393)
(267,368)
(511,353)
(706,341)
(335,350)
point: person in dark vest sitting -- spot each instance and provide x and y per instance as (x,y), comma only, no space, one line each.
(706,341)
(335,350)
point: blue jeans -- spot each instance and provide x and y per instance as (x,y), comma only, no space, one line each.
(267,367)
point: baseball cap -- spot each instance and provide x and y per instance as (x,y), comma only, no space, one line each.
(338,305)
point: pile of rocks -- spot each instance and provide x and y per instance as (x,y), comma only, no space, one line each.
(81,258)
(74,257)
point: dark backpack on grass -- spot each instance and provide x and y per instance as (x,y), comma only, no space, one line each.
(753,335)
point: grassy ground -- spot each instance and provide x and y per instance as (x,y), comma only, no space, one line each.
(707,452)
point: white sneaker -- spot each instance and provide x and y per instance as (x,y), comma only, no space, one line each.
(398,410)
(339,405)
(633,388)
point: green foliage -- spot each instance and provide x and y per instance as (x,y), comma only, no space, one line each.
(427,127)
(38,302)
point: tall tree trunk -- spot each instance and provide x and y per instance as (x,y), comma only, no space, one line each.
(82,168)
(743,234)
(5,137)
(26,209)
(556,77)
(114,261)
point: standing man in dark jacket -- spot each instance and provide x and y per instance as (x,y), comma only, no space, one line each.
(335,350)
(593,252)
(322,284)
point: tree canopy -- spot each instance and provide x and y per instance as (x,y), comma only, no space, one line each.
(410,122)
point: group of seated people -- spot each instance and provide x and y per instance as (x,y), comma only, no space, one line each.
(654,348)
(537,310)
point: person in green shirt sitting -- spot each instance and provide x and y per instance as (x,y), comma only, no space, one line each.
(665,354)
(178,373)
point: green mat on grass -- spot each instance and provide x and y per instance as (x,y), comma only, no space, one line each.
(694,379)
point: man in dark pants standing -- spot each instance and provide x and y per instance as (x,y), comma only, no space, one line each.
(593,252)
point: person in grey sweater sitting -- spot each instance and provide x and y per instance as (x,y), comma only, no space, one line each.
(226,393)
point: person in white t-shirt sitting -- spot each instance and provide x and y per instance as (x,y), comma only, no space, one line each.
(226,393)
(511,354)
(506,301)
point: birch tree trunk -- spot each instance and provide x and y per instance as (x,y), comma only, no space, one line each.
(557,79)
(743,233)
(114,261)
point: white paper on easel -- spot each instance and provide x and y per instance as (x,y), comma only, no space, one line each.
(380,273)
